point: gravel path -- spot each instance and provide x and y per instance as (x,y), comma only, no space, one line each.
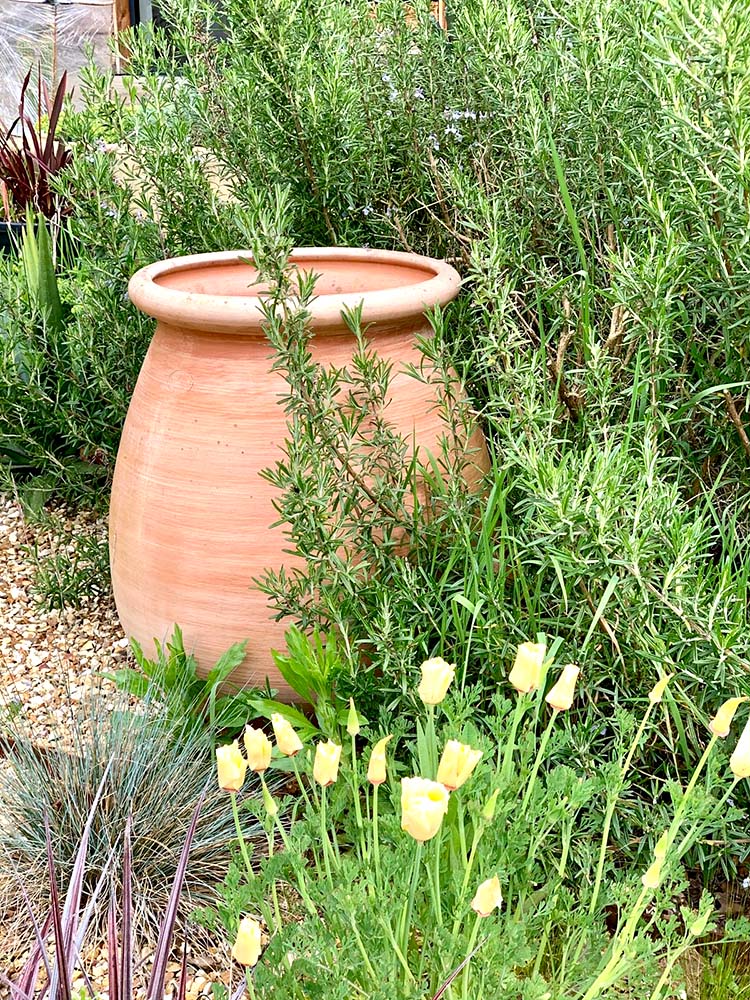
(49,661)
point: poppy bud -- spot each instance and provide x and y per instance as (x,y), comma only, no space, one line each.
(424,803)
(561,695)
(436,679)
(456,764)
(527,669)
(231,766)
(287,739)
(376,770)
(247,945)
(326,766)
(488,897)
(258,749)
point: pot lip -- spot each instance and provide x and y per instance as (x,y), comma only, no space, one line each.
(242,314)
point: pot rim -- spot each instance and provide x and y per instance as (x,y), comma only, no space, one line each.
(242,314)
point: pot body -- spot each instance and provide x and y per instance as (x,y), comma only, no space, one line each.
(190,515)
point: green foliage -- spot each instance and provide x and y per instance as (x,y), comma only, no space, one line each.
(173,680)
(592,186)
(39,269)
(592,541)
(369,911)
(585,166)
(311,666)
(725,971)
(63,386)
(69,568)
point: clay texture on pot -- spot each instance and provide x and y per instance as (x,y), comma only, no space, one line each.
(190,515)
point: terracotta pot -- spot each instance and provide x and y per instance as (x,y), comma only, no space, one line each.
(190,515)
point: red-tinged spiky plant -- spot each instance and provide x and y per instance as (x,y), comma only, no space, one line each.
(28,159)
(69,923)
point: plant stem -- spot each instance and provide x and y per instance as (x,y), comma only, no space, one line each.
(566,838)
(300,783)
(299,869)
(357,804)
(608,974)
(461,829)
(375,835)
(539,759)
(252,995)
(397,950)
(274,894)
(611,806)
(612,801)
(362,950)
(324,836)
(478,831)
(717,812)
(668,966)
(622,939)
(510,744)
(241,837)
(675,824)
(437,901)
(432,741)
(469,950)
(636,741)
(406,915)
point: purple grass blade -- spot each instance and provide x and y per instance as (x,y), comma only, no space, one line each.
(73,898)
(30,131)
(113,982)
(88,984)
(72,908)
(182,985)
(16,175)
(90,910)
(29,975)
(39,95)
(126,966)
(22,100)
(30,972)
(161,955)
(457,971)
(39,954)
(61,966)
(54,115)
(16,990)
(8,139)
(240,991)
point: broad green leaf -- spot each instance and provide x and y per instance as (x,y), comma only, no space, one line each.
(266,707)
(226,664)
(131,681)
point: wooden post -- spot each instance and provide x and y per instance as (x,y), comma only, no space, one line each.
(122,14)
(442,15)
(120,22)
